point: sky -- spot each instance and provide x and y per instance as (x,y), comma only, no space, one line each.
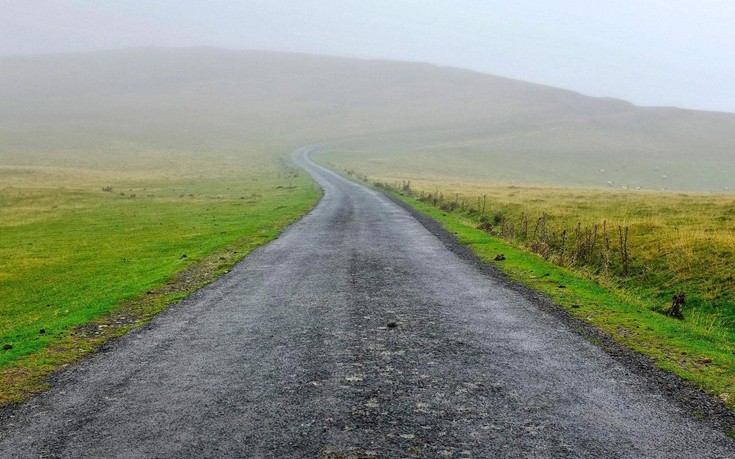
(650,52)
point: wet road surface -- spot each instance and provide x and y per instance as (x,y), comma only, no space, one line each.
(357,333)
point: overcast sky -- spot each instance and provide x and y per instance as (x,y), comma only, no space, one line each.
(651,52)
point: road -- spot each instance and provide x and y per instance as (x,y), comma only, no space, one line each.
(357,333)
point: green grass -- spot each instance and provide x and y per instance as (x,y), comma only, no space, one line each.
(71,254)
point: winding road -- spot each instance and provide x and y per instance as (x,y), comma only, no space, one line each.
(357,333)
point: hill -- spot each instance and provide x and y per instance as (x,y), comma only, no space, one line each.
(112,110)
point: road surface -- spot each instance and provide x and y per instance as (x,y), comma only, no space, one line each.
(357,333)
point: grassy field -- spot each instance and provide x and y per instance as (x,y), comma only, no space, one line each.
(77,243)
(567,244)
(606,153)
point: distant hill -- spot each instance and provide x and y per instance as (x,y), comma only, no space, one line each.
(406,118)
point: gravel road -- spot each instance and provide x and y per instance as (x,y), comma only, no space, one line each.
(357,333)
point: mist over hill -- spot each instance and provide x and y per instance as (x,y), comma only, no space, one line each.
(406,119)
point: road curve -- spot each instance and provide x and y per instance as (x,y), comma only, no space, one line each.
(357,333)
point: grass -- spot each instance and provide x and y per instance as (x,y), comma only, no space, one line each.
(568,156)
(677,243)
(123,246)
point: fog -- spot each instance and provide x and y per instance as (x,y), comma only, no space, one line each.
(658,52)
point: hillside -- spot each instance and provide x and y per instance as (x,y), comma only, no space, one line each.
(112,110)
